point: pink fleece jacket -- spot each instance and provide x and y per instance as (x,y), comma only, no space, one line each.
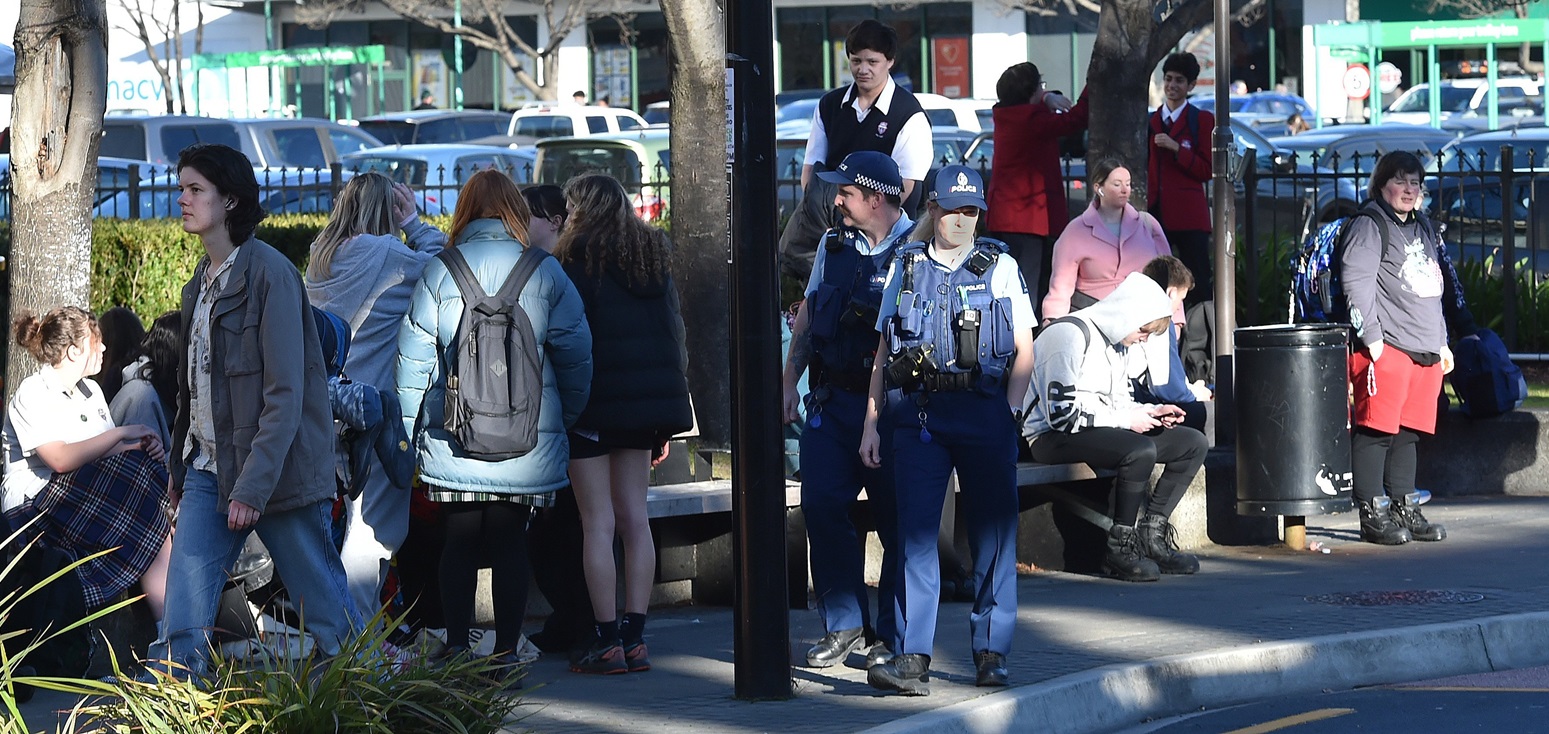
(1088,258)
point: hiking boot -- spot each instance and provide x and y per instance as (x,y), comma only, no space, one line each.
(1159,541)
(1378,525)
(909,674)
(1406,513)
(878,654)
(604,657)
(1125,560)
(637,658)
(991,667)
(835,647)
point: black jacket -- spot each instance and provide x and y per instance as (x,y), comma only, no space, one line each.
(639,362)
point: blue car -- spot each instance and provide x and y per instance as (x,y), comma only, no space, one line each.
(279,192)
(437,172)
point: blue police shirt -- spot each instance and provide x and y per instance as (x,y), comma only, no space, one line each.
(900,230)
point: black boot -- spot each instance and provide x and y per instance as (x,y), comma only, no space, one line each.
(1159,541)
(1378,525)
(1126,560)
(1406,512)
(908,674)
(835,647)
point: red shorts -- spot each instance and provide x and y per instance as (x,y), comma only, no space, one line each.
(1399,392)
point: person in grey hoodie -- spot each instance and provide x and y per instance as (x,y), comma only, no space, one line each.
(1081,408)
(363,273)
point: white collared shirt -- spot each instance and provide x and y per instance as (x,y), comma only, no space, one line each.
(912,150)
(45,410)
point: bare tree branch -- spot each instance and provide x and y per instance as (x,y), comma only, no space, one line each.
(138,17)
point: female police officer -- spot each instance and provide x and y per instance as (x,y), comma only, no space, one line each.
(957,326)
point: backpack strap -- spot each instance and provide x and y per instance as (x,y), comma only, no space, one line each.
(1191,116)
(526,265)
(457,266)
(1086,332)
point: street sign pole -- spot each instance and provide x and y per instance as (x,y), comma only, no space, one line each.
(1225,226)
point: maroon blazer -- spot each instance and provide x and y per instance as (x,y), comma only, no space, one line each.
(1176,181)
(1027,192)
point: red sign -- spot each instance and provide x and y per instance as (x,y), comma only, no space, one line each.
(949,62)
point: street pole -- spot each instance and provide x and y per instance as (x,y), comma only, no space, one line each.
(457,56)
(269,46)
(1225,226)
(762,647)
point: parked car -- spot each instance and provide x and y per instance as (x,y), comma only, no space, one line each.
(159,138)
(304,142)
(657,113)
(556,120)
(639,159)
(1267,111)
(966,114)
(1464,190)
(1356,148)
(800,110)
(294,191)
(436,126)
(437,172)
(1466,98)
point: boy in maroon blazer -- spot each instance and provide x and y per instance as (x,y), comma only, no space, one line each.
(1179,167)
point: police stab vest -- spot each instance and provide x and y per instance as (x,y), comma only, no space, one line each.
(842,312)
(967,328)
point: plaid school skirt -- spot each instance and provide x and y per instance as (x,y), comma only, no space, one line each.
(117,504)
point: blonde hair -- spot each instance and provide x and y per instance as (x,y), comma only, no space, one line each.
(490,194)
(47,338)
(604,230)
(365,206)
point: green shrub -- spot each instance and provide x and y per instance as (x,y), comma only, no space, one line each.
(1484,289)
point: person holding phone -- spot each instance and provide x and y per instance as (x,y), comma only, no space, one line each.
(1081,408)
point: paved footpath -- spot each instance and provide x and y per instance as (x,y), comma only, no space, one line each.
(1079,640)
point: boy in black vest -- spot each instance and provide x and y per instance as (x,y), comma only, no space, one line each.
(870,114)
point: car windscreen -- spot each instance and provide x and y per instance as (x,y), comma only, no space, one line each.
(560,163)
(544,126)
(174,138)
(401,170)
(390,132)
(298,146)
(125,140)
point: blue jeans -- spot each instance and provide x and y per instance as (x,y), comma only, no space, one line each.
(204,549)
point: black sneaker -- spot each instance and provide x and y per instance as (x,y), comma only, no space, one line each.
(835,647)
(637,658)
(1125,560)
(506,671)
(1378,525)
(908,674)
(604,657)
(1159,541)
(1406,512)
(991,667)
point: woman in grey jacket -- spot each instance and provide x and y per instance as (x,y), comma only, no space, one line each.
(486,503)
(252,445)
(361,272)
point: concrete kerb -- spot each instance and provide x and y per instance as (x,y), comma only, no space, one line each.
(1121,695)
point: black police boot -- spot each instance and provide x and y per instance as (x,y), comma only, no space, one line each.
(908,674)
(991,669)
(835,647)
(1378,525)
(1406,512)
(879,653)
(1160,542)
(1125,559)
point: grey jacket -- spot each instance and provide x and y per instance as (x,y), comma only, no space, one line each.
(1395,294)
(268,388)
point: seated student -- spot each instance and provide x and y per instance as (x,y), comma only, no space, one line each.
(99,488)
(1080,408)
(1158,367)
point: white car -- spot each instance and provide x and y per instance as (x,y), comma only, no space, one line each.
(550,121)
(1466,98)
(973,115)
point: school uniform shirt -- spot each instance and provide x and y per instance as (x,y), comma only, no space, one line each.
(1005,282)
(43,410)
(864,246)
(913,150)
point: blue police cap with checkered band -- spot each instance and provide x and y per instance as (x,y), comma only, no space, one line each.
(868,169)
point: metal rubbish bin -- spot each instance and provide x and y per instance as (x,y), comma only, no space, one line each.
(1293,419)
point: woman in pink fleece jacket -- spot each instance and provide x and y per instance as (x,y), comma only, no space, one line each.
(1110,240)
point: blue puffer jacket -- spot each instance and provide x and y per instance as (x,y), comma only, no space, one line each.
(558,320)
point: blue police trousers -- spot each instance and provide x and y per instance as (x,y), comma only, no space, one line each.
(976,435)
(831,478)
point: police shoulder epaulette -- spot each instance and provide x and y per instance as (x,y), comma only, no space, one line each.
(914,248)
(998,246)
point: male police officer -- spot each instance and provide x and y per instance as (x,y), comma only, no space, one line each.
(958,336)
(836,335)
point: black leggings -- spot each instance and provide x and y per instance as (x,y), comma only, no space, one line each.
(478,533)
(1180,450)
(1383,463)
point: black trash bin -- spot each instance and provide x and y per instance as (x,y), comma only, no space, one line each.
(1293,419)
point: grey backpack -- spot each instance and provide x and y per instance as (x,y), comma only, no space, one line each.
(494,381)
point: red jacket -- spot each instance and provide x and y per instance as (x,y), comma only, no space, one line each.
(1176,181)
(1027,192)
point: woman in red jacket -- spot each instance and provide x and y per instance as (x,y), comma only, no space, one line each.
(1027,208)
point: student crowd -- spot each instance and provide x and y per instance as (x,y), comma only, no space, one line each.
(918,337)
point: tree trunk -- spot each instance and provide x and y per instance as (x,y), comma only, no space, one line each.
(1117,79)
(61,70)
(701,264)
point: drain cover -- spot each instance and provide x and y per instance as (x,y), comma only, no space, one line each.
(1396,598)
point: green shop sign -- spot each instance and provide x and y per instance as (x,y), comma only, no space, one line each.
(1462,32)
(311,56)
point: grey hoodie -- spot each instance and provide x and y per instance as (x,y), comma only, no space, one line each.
(373,277)
(1395,294)
(1080,380)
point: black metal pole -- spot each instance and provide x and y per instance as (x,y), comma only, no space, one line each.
(1225,225)
(1508,246)
(762,647)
